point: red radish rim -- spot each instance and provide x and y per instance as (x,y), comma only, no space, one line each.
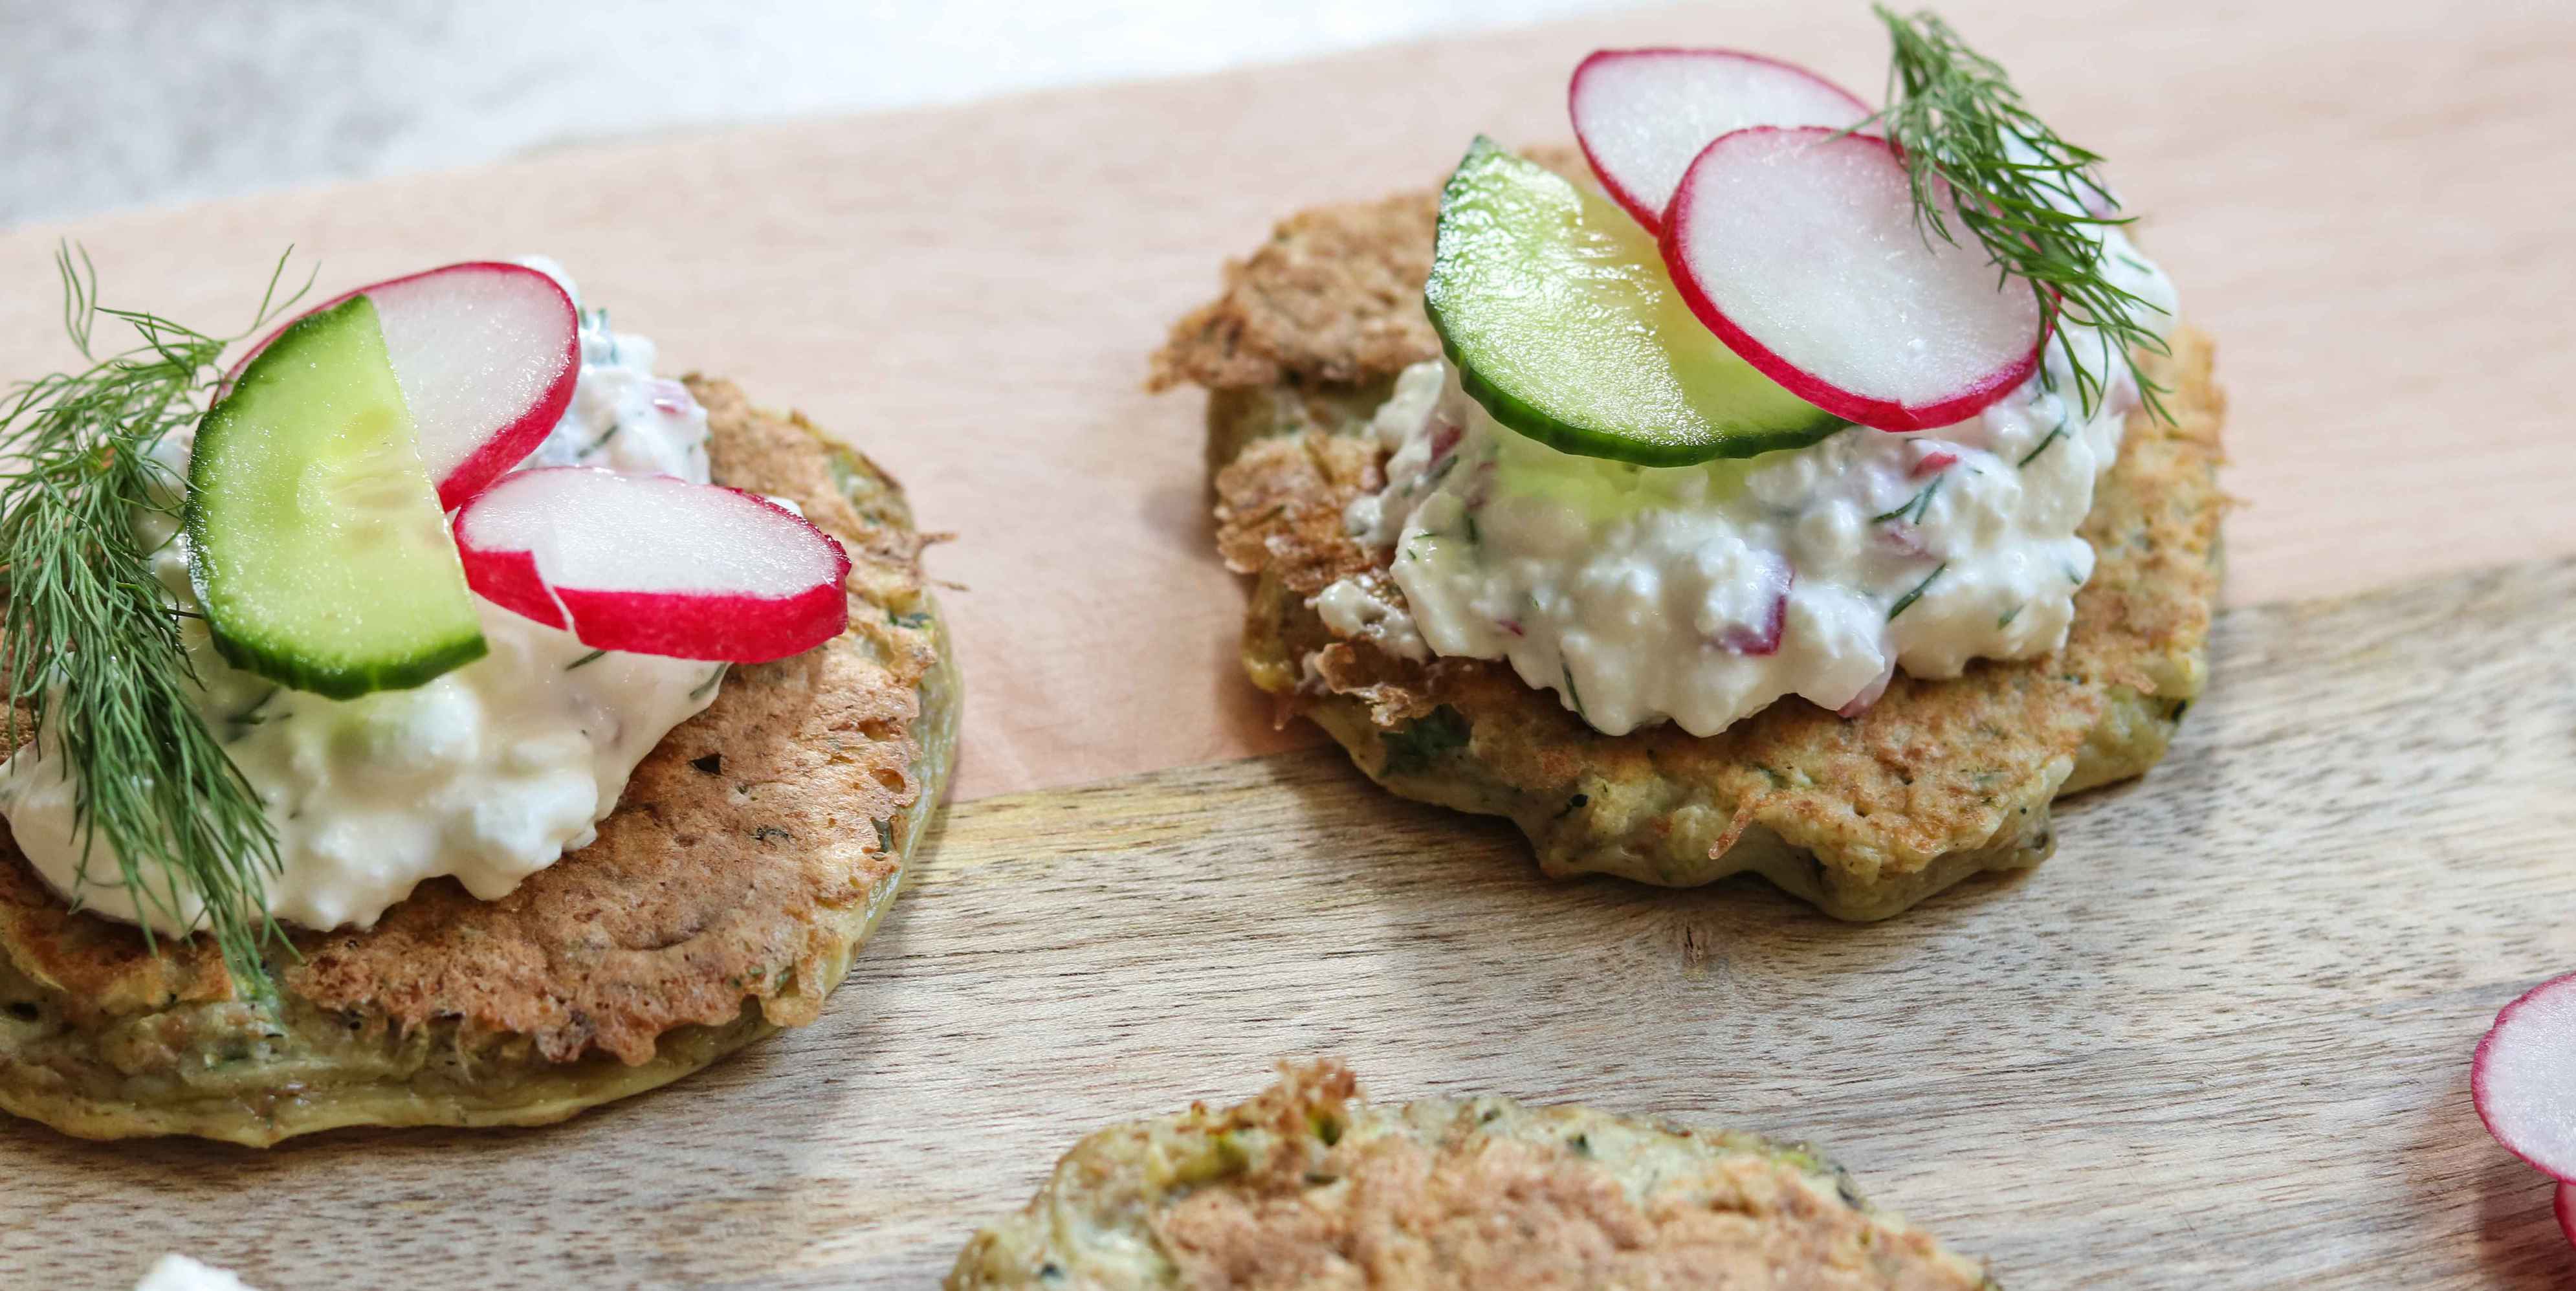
(1867,697)
(502,265)
(637,621)
(510,580)
(520,438)
(1883,414)
(2478,1076)
(646,622)
(1654,219)
(1775,623)
(2566,1208)
(515,441)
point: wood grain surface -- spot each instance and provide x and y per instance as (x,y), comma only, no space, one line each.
(2221,1040)
(2355,199)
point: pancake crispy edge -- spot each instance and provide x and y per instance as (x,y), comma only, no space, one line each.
(1306,1186)
(752,852)
(1864,818)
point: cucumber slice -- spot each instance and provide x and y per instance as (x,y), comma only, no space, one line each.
(315,541)
(1562,321)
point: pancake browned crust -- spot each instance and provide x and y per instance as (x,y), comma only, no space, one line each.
(1305,1187)
(752,852)
(1939,781)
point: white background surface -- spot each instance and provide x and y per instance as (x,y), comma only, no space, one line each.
(115,103)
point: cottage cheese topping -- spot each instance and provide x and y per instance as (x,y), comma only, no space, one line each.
(488,773)
(1705,593)
(623,417)
(179,1273)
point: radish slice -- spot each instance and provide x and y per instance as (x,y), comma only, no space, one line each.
(655,565)
(1798,247)
(487,355)
(1775,624)
(2524,1078)
(1643,114)
(2566,1208)
(1869,695)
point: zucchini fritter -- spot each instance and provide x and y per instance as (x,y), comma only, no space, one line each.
(751,853)
(1940,780)
(1303,1186)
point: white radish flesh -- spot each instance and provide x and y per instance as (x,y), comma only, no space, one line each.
(655,565)
(2524,1077)
(1800,249)
(487,355)
(1642,115)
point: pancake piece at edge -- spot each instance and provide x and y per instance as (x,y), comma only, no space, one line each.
(1305,1185)
(1940,780)
(752,852)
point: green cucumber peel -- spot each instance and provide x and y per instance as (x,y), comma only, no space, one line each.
(317,547)
(1556,311)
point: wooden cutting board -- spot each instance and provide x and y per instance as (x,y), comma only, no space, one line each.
(2220,1040)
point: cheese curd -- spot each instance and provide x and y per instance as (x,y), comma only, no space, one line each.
(179,1273)
(1703,594)
(488,773)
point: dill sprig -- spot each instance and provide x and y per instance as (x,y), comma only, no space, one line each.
(1913,509)
(91,651)
(1906,602)
(2025,193)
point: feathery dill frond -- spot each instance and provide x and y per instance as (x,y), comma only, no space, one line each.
(91,654)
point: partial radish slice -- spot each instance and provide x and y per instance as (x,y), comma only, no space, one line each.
(1869,695)
(487,355)
(1643,114)
(2567,1211)
(2524,1078)
(1558,314)
(1765,639)
(1799,248)
(655,565)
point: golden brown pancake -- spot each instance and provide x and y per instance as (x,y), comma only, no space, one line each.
(751,853)
(1306,1187)
(1864,817)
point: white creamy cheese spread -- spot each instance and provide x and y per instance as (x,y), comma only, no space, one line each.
(1705,593)
(488,773)
(179,1273)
